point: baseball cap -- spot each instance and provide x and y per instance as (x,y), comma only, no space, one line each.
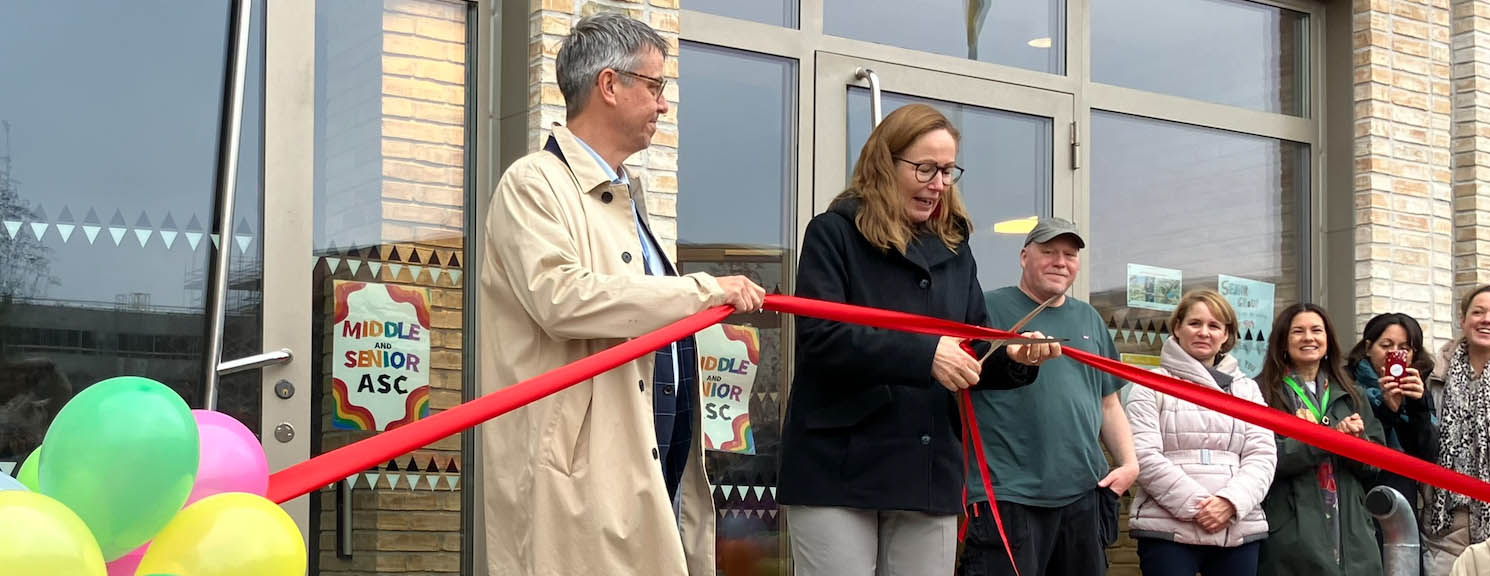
(1050,228)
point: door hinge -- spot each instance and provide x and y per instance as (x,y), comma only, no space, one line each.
(1075,147)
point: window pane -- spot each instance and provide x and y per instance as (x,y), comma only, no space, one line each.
(773,12)
(1224,51)
(1200,204)
(1026,34)
(733,214)
(390,198)
(1007,157)
(106,243)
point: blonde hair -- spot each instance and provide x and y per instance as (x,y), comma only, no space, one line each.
(882,218)
(1219,307)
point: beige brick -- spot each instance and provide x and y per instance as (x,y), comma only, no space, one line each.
(665,21)
(448,196)
(550,94)
(1404,81)
(665,3)
(423,47)
(658,181)
(1410,28)
(565,6)
(424,90)
(1415,12)
(423,173)
(432,9)
(424,131)
(664,137)
(401,23)
(1410,64)
(409,212)
(1411,46)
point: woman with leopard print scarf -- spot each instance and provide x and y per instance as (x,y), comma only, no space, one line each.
(1461,387)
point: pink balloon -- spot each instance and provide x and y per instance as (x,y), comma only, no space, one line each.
(232,458)
(126,564)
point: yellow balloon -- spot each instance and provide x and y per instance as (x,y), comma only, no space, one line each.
(231,534)
(41,536)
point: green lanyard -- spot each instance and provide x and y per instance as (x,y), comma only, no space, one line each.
(1324,402)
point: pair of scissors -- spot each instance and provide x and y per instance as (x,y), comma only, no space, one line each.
(994,344)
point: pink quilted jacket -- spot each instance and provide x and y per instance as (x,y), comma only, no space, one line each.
(1187,453)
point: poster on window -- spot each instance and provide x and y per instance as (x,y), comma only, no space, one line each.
(380,355)
(1253,302)
(728,360)
(1153,288)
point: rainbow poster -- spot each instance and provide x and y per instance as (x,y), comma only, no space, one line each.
(728,360)
(380,355)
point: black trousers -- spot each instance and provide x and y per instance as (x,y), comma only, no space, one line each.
(1164,558)
(1068,541)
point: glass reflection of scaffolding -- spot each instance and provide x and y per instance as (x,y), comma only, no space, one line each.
(245,292)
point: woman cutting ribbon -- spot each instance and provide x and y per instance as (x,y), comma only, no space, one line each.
(871,462)
(1317,519)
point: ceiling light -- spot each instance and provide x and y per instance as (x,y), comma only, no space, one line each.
(1016,226)
(1040,42)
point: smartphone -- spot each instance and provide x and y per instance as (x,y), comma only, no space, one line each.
(1396,364)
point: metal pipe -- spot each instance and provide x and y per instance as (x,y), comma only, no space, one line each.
(227,186)
(874,92)
(1401,554)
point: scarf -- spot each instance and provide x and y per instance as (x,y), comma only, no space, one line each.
(1370,383)
(1463,444)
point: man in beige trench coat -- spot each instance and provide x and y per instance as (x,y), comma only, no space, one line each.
(592,481)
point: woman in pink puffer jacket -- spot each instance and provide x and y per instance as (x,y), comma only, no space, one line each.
(1202,474)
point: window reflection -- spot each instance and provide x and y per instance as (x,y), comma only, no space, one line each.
(1224,51)
(1022,33)
(107,204)
(774,12)
(1202,202)
(734,214)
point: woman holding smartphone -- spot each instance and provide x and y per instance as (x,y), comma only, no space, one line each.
(1389,364)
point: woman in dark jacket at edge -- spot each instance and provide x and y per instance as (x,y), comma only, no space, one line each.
(1406,413)
(871,461)
(1316,508)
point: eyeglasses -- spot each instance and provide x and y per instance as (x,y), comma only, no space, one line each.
(925,170)
(654,85)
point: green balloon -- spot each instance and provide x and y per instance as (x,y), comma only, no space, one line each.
(122,454)
(27,473)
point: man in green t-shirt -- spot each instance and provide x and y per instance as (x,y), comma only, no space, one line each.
(1056,496)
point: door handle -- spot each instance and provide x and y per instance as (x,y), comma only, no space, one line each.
(255,362)
(862,73)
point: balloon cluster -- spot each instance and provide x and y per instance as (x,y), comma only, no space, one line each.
(130,481)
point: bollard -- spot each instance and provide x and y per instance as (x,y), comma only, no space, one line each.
(1400,551)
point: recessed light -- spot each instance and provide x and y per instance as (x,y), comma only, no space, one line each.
(1016,226)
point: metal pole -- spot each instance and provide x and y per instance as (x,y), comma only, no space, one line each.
(227,184)
(1400,549)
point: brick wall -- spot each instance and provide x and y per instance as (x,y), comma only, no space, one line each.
(406,515)
(1404,176)
(549,22)
(1471,143)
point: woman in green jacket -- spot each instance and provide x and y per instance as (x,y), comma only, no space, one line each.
(1316,508)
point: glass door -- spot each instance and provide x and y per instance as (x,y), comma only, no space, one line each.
(109,161)
(370,183)
(1016,146)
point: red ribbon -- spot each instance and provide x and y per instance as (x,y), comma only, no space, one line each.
(333,466)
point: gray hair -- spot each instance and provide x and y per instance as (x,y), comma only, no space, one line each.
(605,40)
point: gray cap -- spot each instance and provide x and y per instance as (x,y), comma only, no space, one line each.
(1050,228)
